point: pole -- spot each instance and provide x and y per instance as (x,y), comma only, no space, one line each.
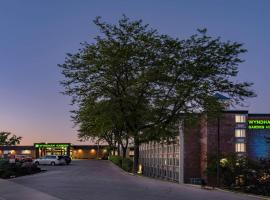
(218,151)
(98,149)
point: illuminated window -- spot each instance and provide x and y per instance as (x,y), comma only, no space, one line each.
(240,147)
(26,152)
(131,153)
(240,133)
(240,118)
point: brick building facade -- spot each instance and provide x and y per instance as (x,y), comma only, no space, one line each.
(201,142)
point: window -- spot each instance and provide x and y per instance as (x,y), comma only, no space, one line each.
(240,133)
(240,147)
(240,118)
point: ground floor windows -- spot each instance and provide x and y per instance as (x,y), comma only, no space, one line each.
(160,160)
(240,147)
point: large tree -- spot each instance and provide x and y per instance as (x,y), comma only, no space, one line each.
(151,79)
(7,139)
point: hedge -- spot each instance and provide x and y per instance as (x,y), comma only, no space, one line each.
(125,163)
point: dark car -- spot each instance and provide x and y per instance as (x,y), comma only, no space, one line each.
(67,159)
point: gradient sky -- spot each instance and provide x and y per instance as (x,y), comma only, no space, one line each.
(35,35)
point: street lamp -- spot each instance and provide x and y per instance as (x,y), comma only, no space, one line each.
(218,151)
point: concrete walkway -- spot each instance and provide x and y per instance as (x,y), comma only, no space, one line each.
(13,191)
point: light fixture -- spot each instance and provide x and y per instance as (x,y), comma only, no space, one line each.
(12,151)
(140,169)
(92,151)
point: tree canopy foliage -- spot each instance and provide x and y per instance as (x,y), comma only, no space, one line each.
(7,139)
(135,82)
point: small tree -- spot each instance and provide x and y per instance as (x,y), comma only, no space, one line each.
(7,139)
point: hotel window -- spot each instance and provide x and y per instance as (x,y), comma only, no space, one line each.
(240,133)
(240,118)
(240,147)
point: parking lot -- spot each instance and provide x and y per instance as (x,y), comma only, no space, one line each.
(101,180)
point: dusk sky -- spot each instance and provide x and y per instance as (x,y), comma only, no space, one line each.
(36,35)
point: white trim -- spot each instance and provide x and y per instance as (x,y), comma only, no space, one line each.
(181,153)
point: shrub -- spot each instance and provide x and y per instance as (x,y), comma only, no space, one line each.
(127,164)
(116,160)
(17,169)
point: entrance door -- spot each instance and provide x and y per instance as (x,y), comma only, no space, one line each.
(56,151)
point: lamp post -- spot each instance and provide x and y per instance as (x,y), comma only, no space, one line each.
(98,149)
(218,151)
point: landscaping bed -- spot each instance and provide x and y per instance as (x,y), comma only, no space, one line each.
(12,170)
(125,163)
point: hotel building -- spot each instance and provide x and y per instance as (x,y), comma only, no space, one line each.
(186,158)
(42,149)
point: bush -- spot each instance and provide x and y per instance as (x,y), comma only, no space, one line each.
(125,163)
(17,169)
(116,160)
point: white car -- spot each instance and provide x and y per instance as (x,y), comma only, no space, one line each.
(50,160)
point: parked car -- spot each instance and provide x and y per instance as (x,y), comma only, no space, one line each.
(67,159)
(50,160)
(23,158)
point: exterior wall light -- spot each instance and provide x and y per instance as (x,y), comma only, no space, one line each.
(13,152)
(140,169)
(92,151)
(223,162)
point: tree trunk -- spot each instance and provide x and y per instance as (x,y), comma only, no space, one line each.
(113,150)
(124,148)
(118,149)
(136,155)
(124,151)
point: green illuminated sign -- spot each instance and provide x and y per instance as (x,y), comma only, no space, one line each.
(52,145)
(259,124)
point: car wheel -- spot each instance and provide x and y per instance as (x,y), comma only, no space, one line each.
(37,163)
(52,163)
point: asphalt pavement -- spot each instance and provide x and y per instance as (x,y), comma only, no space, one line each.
(102,180)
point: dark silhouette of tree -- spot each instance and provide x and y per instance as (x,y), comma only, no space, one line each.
(147,80)
(7,139)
